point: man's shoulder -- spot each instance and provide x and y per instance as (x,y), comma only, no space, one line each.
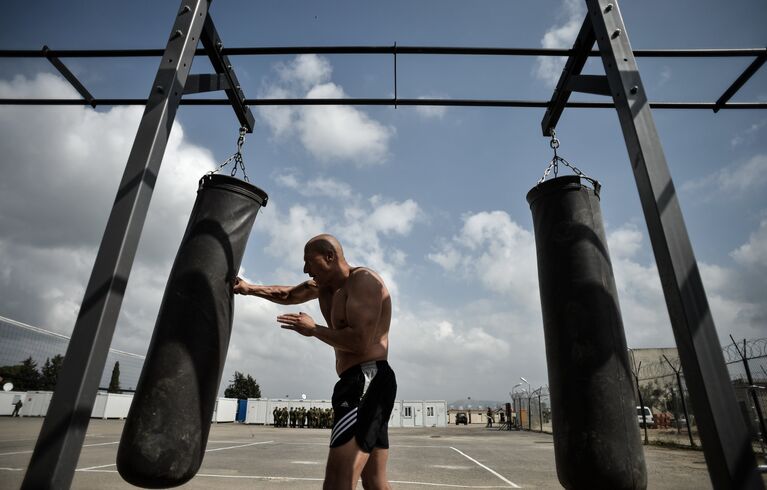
(363,275)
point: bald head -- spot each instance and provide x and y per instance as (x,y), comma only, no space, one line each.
(325,245)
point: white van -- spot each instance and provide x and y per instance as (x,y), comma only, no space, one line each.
(647,417)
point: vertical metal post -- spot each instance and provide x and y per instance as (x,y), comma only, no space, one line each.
(678,373)
(58,446)
(752,390)
(540,412)
(641,403)
(726,443)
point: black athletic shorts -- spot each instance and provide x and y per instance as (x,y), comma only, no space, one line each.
(362,403)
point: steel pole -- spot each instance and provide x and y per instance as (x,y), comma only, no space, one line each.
(726,441)
(684,408)
(58,446)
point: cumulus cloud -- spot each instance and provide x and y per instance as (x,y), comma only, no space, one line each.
(364,225)
(56,200)
(316,187)
(331,134)
(561,35)
(496,251)
(753,253)
(733,179)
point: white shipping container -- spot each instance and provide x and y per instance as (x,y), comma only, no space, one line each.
(36,403)
(8,401)
(225,410)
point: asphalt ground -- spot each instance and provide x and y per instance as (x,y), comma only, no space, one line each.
(248,456)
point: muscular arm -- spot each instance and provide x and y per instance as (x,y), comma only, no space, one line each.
(363,312)
(284,295)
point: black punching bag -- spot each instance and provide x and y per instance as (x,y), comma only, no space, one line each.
(596,436)
(166,432)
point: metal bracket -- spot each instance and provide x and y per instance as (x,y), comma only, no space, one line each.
(71,78)
(196,84)
(588,84)
(581,51)
(740,81)
(213,46)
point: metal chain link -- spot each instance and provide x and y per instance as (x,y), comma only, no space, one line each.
(237,158)
(554,165)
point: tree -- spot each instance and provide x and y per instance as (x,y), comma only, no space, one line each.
(50,372)
(114,383)
(242,387)
(24,376)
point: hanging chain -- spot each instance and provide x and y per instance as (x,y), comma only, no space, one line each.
(237,158)
(554,165)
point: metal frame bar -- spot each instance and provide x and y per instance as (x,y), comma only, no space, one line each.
(740,81)
(213,46)
(575,63)
(434,50)
(726,443)
(196,84)
(58,446)
(70,77)
(385,102)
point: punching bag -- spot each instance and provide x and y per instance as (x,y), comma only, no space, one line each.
(596,436)
(164,438)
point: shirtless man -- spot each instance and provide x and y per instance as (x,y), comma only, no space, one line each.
(357,308)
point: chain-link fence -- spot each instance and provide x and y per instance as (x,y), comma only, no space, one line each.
(660,386)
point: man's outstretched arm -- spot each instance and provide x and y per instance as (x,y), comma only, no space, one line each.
(284,295)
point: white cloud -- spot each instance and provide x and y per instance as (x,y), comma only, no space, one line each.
(665,76)
(753,252)
(54,206)
(431,111)
(749,135)
(306,69)
(733,179)
(561,35)
(497,252)
(331,134)
(316,187)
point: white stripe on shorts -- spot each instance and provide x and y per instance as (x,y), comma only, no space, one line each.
(346,422)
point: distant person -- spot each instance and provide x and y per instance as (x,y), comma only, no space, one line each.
(357,308)
(17,407)
(489,417)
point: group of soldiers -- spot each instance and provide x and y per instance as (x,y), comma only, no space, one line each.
(313,418)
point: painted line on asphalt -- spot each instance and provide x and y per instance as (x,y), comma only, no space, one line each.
(514,485)
(92,468)
(84,445)
(95,467)
(291,478)
(234,447)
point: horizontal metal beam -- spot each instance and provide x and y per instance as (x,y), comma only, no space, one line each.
(440,50)
(740,81)
(588,84)
(196,84)
(385,102)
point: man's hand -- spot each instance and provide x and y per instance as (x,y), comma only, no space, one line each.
(300,322)
(240,286)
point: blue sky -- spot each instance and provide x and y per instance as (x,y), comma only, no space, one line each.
(434,199)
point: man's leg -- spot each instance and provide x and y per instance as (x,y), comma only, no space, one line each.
(344,466)
(374,473)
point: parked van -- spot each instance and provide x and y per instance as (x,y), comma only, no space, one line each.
(647,417)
